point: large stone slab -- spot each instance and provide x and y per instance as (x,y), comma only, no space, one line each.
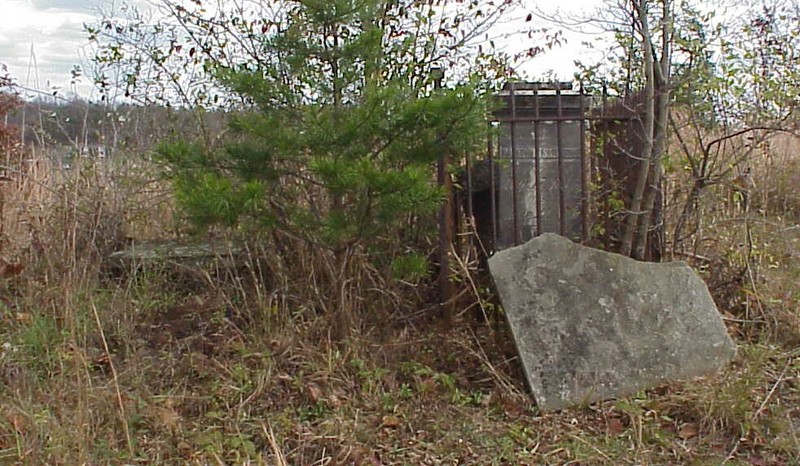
(187,261)
(591,325)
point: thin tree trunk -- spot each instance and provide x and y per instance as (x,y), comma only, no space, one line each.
(646,219)
(686,214)
(661,74)
(637,200)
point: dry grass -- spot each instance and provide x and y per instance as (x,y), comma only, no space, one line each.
(237,367)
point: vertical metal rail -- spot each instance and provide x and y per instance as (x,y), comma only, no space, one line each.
(513,130)
(470,211)
(492,189)
(536,162)
(585,172)
(561,208)
(605,172)
(471,229)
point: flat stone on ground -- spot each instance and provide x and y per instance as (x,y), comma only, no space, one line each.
(591,325)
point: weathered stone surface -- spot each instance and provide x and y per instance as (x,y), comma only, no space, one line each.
(182,258)
(591,325)
(551,160)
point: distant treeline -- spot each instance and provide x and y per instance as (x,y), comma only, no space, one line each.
(80,124)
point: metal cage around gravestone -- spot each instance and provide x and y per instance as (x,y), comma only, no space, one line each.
(550,142)
(536,167)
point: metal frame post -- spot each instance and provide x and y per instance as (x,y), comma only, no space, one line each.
(562,227)
(513,130)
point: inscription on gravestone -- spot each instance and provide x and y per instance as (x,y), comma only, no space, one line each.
(548,189)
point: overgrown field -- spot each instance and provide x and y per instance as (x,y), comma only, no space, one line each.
(163,365)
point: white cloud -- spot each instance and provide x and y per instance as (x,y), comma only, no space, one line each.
(55,28)
(73,5)
(21,17)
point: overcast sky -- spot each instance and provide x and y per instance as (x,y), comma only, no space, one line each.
(54,28)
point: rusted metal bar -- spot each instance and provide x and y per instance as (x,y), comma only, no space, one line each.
(513,130)
(536,163)
(585,172)
(560,150)
(606,173)
(526,119)
(492,190)
(462,219)
(539,86)
(470,212)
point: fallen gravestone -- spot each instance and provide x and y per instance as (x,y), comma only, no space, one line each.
(591,325)
(191,261)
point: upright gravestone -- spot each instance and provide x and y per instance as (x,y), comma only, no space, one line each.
(529,165)
(591,325)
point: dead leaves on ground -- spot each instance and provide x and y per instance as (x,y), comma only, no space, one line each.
(9,269)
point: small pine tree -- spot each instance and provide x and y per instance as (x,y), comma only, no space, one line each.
(340,136)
